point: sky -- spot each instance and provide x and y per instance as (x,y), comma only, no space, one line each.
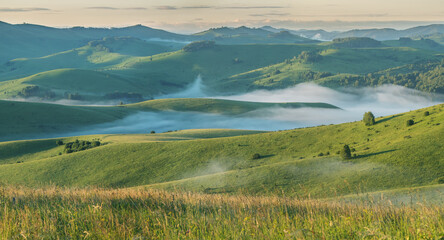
(187,16)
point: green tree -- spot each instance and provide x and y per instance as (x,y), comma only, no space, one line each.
(369,119)
(345,152)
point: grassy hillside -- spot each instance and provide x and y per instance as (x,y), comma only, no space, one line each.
(89,84)
(331,68)
(24,119)
(422,43)
(95,55)
(245,35)
(151,75)
(224,69)
(389,155)
(218,106)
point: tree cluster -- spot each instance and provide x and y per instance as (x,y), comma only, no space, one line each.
(78,146)
(199,45)
(309,57)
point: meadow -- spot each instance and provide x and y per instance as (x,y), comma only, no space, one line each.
(94,213)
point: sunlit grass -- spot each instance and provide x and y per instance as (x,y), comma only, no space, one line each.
(153,214)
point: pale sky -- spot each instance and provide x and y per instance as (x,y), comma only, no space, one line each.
(195,15)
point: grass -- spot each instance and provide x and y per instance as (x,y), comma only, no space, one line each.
(152,214)
(390,155)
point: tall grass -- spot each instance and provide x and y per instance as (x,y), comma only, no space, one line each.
(155,214)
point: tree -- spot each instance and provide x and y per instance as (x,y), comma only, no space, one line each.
(369,119)
(345,152)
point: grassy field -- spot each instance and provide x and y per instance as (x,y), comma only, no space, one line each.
(389,155)
(150,214)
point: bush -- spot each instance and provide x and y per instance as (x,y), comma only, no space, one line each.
(309,57)
(426,113)
(78,146)
(410,122)
(59,142)
(199,45)
(152,132)
(256,156)
(345,152)
(369,119)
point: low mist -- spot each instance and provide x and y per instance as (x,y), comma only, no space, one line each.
(383,100)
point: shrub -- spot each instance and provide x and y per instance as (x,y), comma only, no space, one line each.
(59,142)
(256,156)
(152,132)
(309,57)
(78,146)
(345,152)
(410,122)
(369,119)
(196,46)
(426,113)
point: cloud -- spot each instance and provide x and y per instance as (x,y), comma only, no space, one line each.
(170,7)
(269,14)
(113,8)
(23,9)
(166,8)
(250,7)
(196,7)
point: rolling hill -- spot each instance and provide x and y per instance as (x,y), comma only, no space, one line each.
(29,40)
(344,67)
(23,120)
(225,69)
(245,35)
(381,34)
(389,155)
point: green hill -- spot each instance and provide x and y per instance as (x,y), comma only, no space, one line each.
(30,120)
(217,106)
(335,68)
(427,44)
(354,42)
(389,155)
(245,35)
(95,55)
(224,69)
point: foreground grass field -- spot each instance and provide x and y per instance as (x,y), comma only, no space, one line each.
(51,213)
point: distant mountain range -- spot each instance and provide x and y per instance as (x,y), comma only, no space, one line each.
(29,40)
(378,34)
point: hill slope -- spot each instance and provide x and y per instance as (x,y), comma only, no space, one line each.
(390,155)
(30,120)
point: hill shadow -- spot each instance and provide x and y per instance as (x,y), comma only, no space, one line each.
(267,156)
(374,154)
(389,118)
